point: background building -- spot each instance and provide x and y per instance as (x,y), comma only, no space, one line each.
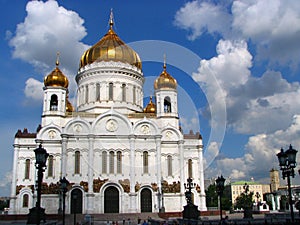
(237,188)
(118,155)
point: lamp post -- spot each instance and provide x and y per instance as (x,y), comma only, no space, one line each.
(188,187)
(37,213)
(287,163)
(220,183)
(64,188)
(257,195)
(190,210)
(162,209)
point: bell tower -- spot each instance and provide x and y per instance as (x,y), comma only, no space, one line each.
(56,102)
(166,97)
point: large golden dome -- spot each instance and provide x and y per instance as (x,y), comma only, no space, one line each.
(165,80)
(150,108)
(111,48)
(56,78)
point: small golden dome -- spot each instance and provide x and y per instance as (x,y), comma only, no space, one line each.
(165,80)
(150,108)
(56,78)
(69,107)
(110,48)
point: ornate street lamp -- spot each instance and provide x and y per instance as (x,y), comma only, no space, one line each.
(190,211)
(220,184)
(287,163)
(37,213)
(64,188)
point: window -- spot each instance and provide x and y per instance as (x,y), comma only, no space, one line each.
(169,161)
(145,162)
(110,92)
(111,162)
(27,168)
(25,200)
(53,103)
(97,92)
(77,162)
(167,105)
(50,166)
(86,94)
(134,95)
(190,168)
(124,92)
(119,162)
(104,162)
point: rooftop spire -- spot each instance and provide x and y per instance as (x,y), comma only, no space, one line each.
(165,66)
(111,19)
(57,59)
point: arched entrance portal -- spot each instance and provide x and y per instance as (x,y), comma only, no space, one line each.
(146,200)
(76,201)
(111,200)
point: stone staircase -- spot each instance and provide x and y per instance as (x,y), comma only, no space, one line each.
(130,218)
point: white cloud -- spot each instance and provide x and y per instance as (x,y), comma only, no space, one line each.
(199,17)
(273,26)
(34,89)
(261,106)
(260,155)
(6,181)
(47,29)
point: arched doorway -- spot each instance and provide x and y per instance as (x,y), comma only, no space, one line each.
(146,200)
(76,201)
(111,200)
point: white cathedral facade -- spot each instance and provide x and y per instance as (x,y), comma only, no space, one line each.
(119,156)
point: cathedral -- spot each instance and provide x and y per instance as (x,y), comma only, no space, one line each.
(119,155)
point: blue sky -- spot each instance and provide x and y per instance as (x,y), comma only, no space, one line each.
(236,63)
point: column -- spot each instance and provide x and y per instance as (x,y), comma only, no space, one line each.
(201,180)
(132,194)
(13,197)
(90,194)
(182,168)
(64,156)
(158,169)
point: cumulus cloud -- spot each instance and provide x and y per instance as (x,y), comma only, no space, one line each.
(199,17)
(260,155)
(47,29)
(262,106)
(34,89)
(273,26)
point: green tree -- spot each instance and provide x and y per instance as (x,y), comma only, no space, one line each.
(212,197)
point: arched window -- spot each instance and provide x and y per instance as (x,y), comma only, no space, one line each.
(169,160)
(110,91)
(50,166)
(27,168)
(77,163)
(111,162)
(53,103)
(104,162)
(119,162)
(123,92)
(190,168)
(145,162)
(134,95)
(97,92)
(25,200)
(167,105)
(86,94)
